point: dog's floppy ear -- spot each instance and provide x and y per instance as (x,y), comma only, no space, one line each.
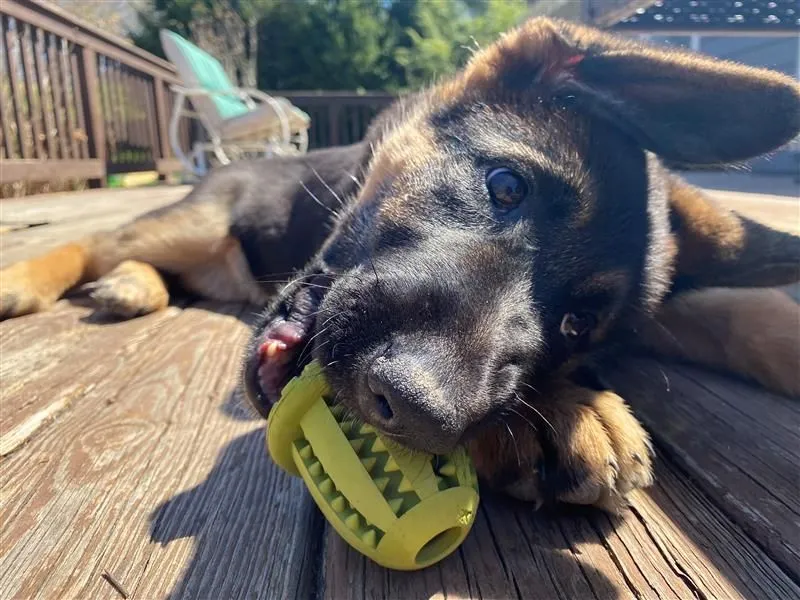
(685,107)
(720,248)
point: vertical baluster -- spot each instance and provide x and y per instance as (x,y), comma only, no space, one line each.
(109,112)
(17,89)
(164,107)
(124,138)
(69,97)
(91,90)
(6,101)
(83,131)
(34,93)
(58,100)
(138,116)
(40,58)
(150,116)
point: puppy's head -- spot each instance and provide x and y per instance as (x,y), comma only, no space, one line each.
(509,222)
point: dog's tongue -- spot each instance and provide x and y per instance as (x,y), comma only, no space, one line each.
(275,354)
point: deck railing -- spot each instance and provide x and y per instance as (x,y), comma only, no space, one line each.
(338,118)
(79,103)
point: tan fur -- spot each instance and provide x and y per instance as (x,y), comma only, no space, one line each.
(191,241)
(596,439)
(34,285)
(175,241)
(752,332)
(708,232)
(226,277)
(410,147)
(131,289)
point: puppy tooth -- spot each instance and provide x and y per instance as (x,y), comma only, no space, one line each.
(271,348)
(275,346)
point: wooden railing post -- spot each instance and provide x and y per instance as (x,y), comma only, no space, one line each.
(334,109)
(162,118)
(90,90)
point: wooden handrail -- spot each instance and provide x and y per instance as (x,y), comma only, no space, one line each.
(78,102)
(53,19)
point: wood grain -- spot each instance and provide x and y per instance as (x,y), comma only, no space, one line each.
(741,444)
(139,461)
(146,469)
(41,374)
(673,543)
(36,225)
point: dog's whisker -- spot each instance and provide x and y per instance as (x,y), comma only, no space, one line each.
(317,200)
(295,280)
(310,347)
(520,415)
(538,412)
(514,441)
(327,187)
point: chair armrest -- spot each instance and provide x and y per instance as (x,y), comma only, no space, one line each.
(236,92)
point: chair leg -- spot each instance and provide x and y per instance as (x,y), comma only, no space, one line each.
(219,151)
(177,112)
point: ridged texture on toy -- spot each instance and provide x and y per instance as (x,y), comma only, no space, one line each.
(400,478)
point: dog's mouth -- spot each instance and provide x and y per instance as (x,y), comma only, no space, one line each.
(282,348)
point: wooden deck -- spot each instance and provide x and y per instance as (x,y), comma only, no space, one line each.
(126,451)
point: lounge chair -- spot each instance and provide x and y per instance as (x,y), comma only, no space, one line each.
(238,121)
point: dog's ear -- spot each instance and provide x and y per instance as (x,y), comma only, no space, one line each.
(720,248)
(685,107)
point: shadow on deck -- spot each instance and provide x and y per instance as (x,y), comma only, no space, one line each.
(127,449)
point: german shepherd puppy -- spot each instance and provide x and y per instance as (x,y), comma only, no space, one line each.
(468,267)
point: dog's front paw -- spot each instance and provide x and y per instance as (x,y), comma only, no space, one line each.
(132,289)
(579,446)
(20,294)
(600,452)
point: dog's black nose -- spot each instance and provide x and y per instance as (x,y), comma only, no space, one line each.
(406,400)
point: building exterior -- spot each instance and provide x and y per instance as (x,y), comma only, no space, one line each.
(598,12)
(763,33)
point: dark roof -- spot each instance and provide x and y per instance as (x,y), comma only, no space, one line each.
(704,15)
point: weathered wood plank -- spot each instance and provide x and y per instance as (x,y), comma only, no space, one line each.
(36,225)
(39,375)
(741,444)
(125,485)
(70,206)
(673,543)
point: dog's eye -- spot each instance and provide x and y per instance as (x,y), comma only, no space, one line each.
(576,325)
(506,188)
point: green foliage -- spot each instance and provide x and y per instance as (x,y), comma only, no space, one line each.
(349,44)
(318,44)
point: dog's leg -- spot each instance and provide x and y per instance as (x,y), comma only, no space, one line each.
(572,445)
(33,285)
(131,289)
(752,332)
(187,239)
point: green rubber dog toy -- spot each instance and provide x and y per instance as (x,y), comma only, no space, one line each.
(405,510)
